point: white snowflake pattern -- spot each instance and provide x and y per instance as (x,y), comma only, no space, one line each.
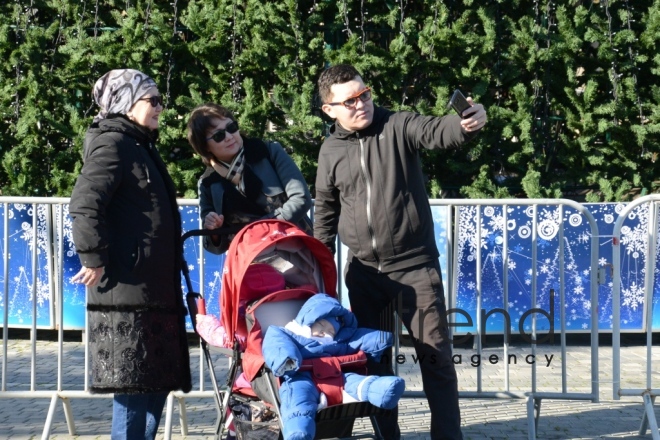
(497,222)
(633,297)
(583,238)
(635,239)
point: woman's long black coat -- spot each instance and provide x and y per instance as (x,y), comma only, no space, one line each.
(126,219)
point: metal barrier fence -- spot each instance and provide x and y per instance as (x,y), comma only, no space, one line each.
(467,214)
(51,215)
(498,229)
(645,207)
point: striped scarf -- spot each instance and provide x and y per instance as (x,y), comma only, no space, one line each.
(232,171)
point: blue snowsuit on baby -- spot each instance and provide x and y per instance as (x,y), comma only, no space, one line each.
(284,352)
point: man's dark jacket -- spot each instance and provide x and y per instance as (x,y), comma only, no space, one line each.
(126,219)
(370,188)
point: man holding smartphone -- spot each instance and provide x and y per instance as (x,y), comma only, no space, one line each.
(370,190)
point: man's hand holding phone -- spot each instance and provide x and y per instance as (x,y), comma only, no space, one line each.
(460,104)
(473,116)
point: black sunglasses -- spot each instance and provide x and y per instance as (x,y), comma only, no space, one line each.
(155,101)
(219,135)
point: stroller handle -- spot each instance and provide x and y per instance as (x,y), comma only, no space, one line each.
(223,230)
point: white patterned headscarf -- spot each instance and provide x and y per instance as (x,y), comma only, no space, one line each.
(118,90)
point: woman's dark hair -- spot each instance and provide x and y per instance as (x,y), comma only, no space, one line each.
(198,124)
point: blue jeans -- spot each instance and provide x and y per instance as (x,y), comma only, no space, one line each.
(136,416)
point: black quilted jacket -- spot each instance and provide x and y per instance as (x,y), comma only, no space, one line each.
(126,219)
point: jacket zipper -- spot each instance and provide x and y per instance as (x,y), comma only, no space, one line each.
(146,167)
(367,180)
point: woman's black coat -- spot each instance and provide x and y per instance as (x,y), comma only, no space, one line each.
(126,219)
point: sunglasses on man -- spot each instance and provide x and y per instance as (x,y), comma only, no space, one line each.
(351,102)
(155,101)
(219,135)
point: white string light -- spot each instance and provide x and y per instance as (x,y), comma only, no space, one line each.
(170,58)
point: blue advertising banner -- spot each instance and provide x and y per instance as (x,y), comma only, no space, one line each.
(205,268)
(574,265)
(28,288)
(31,285)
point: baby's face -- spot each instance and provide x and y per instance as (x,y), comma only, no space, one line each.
(323,328)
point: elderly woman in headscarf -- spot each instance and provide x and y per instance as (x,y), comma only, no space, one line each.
(127,233)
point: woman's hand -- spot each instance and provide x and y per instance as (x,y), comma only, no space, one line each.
(89,276)
(213,220)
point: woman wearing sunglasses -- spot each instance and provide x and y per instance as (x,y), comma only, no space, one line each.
(245,179)
(127,233)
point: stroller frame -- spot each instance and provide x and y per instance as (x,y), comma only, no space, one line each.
(222,396)
(195,301)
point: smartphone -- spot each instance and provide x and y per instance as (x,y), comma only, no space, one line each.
(459,103)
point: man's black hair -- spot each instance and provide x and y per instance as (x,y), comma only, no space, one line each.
(339,74)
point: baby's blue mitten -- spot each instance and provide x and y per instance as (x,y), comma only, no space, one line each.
(381,391)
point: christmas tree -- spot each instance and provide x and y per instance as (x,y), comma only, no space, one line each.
(571,88)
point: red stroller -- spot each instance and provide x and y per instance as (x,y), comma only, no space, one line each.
(307,267)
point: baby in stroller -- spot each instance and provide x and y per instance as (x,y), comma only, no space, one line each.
(323,329)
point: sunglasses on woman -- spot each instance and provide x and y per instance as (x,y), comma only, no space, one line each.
(155,101)
(219,135)
(351,102)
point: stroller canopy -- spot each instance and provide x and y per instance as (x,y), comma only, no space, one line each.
(304,261)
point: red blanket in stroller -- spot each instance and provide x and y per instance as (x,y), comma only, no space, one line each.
(303,260)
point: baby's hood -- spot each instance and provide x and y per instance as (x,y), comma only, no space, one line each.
(323,306)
